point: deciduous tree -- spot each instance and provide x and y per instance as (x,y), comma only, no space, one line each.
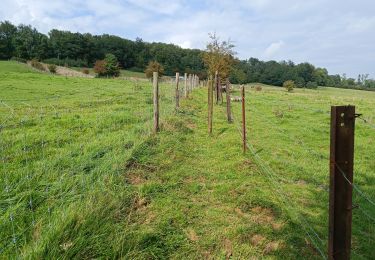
(219,56)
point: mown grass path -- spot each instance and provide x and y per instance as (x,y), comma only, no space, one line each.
(204,198)
(201,197)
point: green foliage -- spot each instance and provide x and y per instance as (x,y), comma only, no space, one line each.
(52,68)
(108,67)
(7,34)
(289,85)
(30,44)
(312,85)
(219,56)
(111,65)
(237,76)
(18,59)
(276,73)
(154,66)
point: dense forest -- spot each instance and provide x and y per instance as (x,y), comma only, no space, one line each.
(24,42)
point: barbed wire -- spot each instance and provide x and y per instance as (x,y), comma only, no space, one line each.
(366,213)
(272,178)
(360,192)
(292,137)
(364,195)
(299,140)
(367,123)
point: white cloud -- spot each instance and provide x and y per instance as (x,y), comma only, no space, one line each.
(273,48)
(334,34)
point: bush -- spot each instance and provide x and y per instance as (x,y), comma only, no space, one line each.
(107,67)
(18,59)
(289,85)
(112,66)
(152,67)
(100,68)
(86,71)
(312,85)
(36,64)
(300,82)
(258,88)
(52,68)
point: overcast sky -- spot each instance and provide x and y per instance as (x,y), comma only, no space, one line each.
(336,34)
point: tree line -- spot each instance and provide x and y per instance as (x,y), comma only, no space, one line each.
(83,50)
(303,74)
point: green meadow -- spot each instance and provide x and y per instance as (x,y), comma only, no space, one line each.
(83,176)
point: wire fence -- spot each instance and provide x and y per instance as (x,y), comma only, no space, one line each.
(285,200)
(278,181)
(46,142)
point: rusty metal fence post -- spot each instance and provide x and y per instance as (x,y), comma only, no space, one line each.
(227,92)
(216,87)
(185,85)
(177,91)
(243,119)
(210,104)
(156,101)
(341,179)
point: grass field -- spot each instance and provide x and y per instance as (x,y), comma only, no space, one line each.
(82,176)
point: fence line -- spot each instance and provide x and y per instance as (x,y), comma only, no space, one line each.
(300,141)
(367,123)
(291,136)
(363,194)
(271,176)
(295,139)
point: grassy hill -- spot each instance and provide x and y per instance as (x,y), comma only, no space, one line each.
(83,177)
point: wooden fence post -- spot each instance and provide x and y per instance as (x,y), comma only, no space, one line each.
(243,119)
(189,83)
(156,101)
(216,88)
(210,105)
(192,82)
(227,91)
(185,85)
(177,91)
(220,90)
(341,179)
